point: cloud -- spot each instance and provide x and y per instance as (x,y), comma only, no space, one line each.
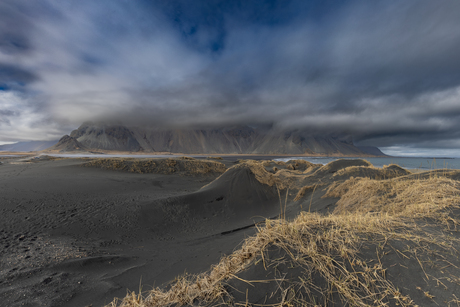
(21,120)
(386,72)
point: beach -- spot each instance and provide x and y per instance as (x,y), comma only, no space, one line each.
(71,236)
(84,231)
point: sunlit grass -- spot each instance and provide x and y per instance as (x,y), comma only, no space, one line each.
(339,257)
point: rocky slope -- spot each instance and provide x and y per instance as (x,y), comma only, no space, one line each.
(229,140)
(371,150)
(68,143)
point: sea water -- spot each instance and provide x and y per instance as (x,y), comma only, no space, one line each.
(408,163)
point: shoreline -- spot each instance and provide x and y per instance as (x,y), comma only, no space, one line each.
(200,155)
(131,153)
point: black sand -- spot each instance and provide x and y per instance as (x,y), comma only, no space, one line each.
(75,236)
(82,236)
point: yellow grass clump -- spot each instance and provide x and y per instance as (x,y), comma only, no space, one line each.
(387,172)
(334,166)
(267,163)
(312,241)
(404,196)
(282,179)
(339,259)
(186,158)
(299,165)
(303,191)
(325,251)
(183,165)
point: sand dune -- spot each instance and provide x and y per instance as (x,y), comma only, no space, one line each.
(233,201)
(184,166)
(80,232)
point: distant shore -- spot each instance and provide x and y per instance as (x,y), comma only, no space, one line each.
(108,152)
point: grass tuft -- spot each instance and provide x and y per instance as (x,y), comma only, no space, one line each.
(346,257)
(184,165)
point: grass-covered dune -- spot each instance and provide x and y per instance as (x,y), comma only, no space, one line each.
(348,234)
(81,232)
(184,165)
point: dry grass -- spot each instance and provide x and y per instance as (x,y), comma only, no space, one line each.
(338,258)
(259,172)
(282,179)
(186,158)
(267,163)
(400,197)
(208,287)
(300,165)
(215,157)
(295,166)
(387,172)
(337,165)
(183,165)
(303,191)
(323,249)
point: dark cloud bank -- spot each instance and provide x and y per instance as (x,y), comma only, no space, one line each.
(385,72)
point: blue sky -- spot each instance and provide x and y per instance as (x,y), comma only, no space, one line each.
(385,72)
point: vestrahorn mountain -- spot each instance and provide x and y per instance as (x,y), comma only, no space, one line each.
(228,140)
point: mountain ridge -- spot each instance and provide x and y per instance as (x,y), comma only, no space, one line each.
(224,140)
(28,146)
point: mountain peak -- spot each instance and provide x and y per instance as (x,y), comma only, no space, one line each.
(68,143)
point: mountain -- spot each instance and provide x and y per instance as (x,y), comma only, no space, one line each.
(228,140)
(107,137)
(28,146)
(68,143)
(371,150)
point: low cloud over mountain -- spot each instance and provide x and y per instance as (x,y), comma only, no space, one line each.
(385,72)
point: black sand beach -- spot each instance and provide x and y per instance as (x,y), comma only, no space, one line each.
(81,232)
(75,236)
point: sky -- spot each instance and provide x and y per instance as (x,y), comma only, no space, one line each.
(385,72)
